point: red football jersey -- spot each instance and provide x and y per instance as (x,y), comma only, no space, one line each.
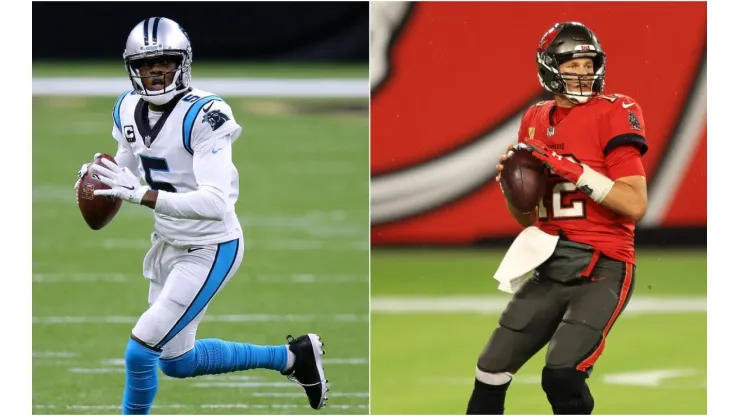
(588,134)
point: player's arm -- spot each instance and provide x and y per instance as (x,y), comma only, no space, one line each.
(625,186)
(212,168)
(210,144)
(628,195)
(625,195)
(211,148)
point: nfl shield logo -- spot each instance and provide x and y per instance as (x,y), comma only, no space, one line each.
(147,141)
(550,131)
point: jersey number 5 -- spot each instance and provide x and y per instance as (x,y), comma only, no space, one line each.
(154,163)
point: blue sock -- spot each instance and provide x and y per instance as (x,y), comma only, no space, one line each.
(141,379)
(213,356)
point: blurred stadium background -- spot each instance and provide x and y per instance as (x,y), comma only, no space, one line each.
(450,82)
(296,78)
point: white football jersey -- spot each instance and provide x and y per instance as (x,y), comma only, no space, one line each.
(163,154)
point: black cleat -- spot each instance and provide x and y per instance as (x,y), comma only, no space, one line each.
(308,370)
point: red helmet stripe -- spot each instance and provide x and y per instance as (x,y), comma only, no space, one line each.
(549,37)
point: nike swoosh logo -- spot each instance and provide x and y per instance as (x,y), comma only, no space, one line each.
(192,249)
(625,105)
(130,188)
(208,107)
(214,151)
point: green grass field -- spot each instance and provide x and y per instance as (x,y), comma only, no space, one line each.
(304,208)
(206,69)
(423,361)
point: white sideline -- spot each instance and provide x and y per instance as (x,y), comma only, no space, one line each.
(246,87)
(639,305)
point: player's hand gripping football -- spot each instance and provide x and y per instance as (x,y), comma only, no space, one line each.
(124,184)
(564,167)
(81,173)
(500,166)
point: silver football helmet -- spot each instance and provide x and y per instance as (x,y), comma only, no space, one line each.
(153,38)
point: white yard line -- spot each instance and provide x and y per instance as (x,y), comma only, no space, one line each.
(81,277)
(345,361)
(642,378)
(241,384)
(243,87)
(271,278)
(54,354)
(307,278)
(300,394)
(639,305)
(67,320)
(328,361)
(291,244)
(200,406)
(101,370)
(648,378)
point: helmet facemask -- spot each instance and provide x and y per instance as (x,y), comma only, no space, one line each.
(177,76)
(589,85)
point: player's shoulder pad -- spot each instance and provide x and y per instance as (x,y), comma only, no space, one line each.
(124,97)
(206,115)
(539,106)
(535,108)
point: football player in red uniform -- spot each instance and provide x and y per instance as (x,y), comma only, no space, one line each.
(592,144)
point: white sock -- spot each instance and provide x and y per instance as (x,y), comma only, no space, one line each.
(291,359)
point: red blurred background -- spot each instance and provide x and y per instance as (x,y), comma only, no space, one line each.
(458,70)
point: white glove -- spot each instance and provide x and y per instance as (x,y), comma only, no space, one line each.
(124,184)
(81,173)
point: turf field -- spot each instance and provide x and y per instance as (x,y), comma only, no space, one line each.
(304,207)
(206,69)
(432,313)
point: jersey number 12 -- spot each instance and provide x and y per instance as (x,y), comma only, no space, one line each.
(559,210)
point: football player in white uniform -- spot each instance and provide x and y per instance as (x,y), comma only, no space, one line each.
(178,139)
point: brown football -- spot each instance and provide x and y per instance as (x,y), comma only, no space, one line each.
(523,180)
(97,211)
